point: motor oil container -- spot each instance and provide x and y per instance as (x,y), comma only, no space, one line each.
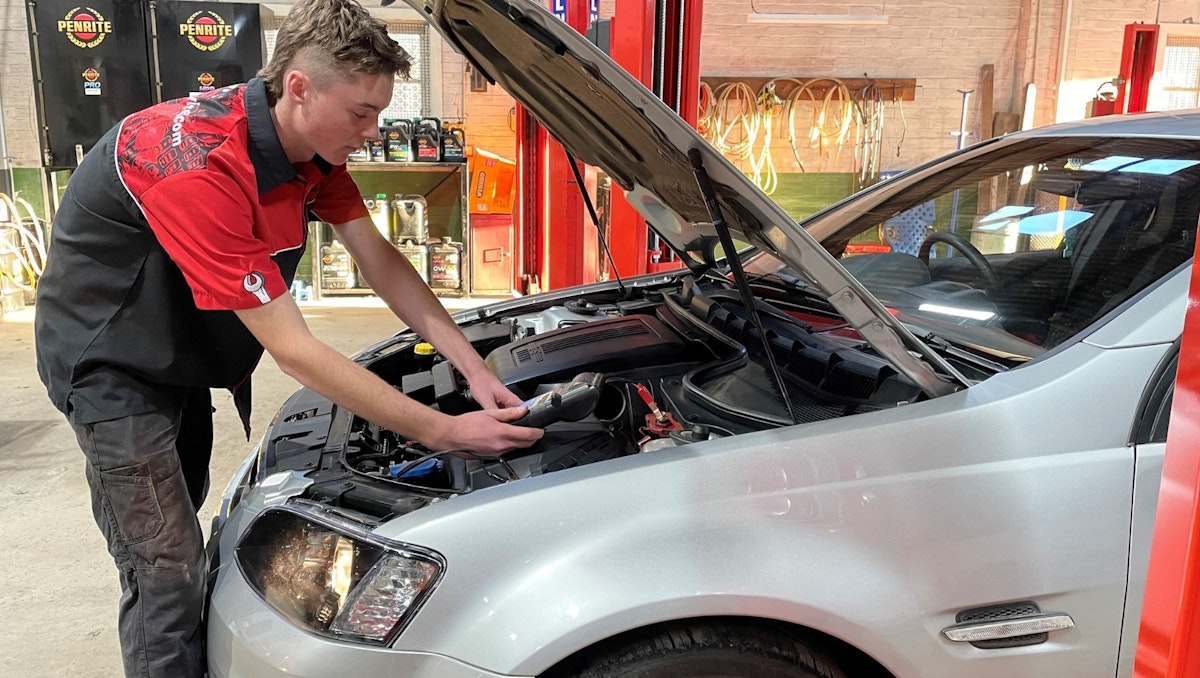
(381,215)
(445,265)
(427,140)
(361,155)
(376,149)
(454,144)
(409,216)
(397,140)
(337,269)
(417,255)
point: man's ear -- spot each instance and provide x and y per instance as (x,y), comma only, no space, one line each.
(297,86)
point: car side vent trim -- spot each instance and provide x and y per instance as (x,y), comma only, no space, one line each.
(524,354)
(1009,625)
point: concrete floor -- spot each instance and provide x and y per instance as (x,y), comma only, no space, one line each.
(58,585)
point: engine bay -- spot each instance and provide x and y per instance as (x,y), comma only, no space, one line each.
(613,375)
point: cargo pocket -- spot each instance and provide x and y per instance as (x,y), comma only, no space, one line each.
(134,502)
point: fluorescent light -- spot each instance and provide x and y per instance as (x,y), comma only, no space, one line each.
(855,19)
(957,312)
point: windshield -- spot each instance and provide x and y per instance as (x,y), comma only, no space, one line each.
(1016,251)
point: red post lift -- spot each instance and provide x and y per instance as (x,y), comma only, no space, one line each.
(550,213)
(1169,638)
(1137,67)
(658,41)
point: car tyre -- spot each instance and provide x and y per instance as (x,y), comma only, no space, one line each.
(711,650)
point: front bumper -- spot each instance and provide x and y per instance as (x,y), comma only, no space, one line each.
(247,639)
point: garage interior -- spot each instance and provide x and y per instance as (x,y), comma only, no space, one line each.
(812,100)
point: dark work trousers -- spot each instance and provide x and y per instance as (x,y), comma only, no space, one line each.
(148,475)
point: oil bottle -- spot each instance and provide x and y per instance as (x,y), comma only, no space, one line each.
(454,144)
(397,140)
(409,218)
(427,140)
(445,269)
(337,268)
(381,215)
(376,149)
(418,255)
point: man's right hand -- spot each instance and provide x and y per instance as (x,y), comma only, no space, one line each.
(486,432)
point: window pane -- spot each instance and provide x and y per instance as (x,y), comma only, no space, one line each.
(1180,65)
(1032,244)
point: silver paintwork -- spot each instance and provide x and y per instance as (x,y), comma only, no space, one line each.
(875,529)
(551,318)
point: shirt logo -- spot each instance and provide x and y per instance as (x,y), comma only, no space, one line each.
(206,31)
(84,27)
(253,283)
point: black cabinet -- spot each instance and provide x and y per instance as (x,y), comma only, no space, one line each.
(94,64)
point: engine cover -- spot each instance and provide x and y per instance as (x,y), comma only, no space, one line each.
(611,345)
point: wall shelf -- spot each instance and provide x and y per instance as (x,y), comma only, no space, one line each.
(890,89)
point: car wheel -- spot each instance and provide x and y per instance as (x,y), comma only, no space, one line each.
(711,650)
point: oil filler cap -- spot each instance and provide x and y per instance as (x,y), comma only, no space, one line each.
(582,307)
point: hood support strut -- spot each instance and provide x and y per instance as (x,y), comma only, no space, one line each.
(739,275)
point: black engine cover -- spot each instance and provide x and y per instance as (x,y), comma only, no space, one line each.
(609,345)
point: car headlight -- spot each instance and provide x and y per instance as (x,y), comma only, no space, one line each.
(330,575)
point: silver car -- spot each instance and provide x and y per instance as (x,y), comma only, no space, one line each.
(920,436)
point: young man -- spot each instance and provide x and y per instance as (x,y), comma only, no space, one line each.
(171,259)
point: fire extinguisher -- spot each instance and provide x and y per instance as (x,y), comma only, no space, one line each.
(1105,101)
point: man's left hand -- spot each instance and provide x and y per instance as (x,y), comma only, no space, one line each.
(487,390)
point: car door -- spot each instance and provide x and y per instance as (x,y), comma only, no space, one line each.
(1149,438)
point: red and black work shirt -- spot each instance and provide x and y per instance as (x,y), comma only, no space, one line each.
(179,215)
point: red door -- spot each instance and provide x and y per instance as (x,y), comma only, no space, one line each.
(491,254)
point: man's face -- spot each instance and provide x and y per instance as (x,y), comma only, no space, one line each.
(339,119)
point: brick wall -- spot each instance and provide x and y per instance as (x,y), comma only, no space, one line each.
(16,87)
(943,44)
(940,43)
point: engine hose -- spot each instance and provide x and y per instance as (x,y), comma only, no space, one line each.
(30,252)
(827,129)
(767,107)
(724,123)
(869,141)
(741,124)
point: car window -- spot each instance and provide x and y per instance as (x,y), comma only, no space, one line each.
(1154,412)
(1019,250)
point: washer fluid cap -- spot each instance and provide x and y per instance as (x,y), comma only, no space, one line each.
(696,434)
(582,307)
(424,348)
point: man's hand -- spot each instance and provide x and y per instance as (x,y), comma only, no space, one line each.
(486,433)
(487,390)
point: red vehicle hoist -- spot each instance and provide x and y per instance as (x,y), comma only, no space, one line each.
(658,41)
(1169,637)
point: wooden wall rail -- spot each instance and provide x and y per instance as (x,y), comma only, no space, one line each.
(890,89)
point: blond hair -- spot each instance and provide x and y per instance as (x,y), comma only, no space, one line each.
(332,39)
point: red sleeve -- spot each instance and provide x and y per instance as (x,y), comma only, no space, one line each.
(205,222)
(337,199)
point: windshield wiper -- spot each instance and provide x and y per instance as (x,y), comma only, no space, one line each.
(951,348)
(739,275)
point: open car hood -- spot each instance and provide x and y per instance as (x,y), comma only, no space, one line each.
(607,119)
